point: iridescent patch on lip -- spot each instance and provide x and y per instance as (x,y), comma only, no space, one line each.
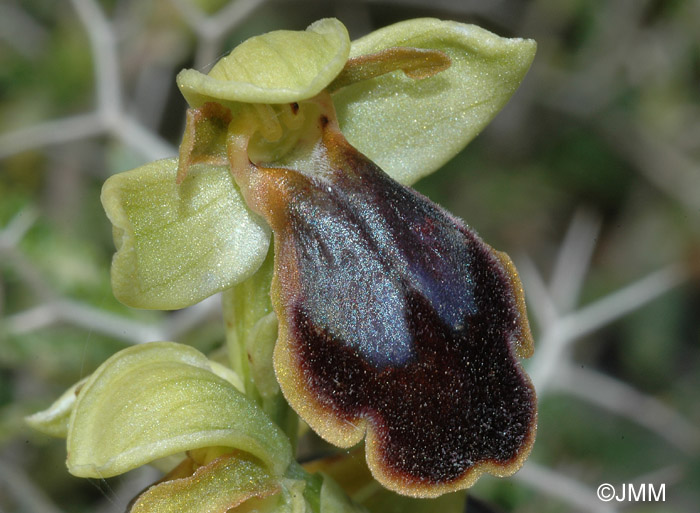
(396,321)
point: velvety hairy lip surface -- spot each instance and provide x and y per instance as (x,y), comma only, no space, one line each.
(395,319)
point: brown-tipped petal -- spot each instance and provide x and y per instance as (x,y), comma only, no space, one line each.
(416,63)
(397,321)
(204,140)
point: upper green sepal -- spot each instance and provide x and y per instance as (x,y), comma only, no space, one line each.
(152,400)
(178,244)
(278,67)
(412,127)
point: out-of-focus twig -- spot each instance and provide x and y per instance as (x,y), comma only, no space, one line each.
(621,399)
(10,237)
(497,11)
(20,31)
(17,228)
(27,495)
(661,162)
(109,91)
(106,323)
(109,116)
(573,260)
(106,63)
(186,319)
(539,300)
(52,309)
(148,143)
(47,133)
(212,29)
(560,332)
(622,302)
(568,490)
(556,340)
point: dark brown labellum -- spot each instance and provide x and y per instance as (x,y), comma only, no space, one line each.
(395,320)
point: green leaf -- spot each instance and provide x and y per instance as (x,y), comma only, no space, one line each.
(162,398)
(278,67)
(178,244)
(54,420)
(412,127)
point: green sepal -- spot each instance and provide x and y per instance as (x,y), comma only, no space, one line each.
(282,66)
(412,127)
(161,398)
(178,244)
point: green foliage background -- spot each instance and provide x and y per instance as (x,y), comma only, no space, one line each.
(604,132)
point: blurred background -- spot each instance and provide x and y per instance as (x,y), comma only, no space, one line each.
(589,179)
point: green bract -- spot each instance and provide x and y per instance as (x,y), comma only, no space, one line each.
(224,484)
(54,420)
(158,399)
(236,480)
(177,246)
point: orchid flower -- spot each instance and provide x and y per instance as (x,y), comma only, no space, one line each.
(370,310)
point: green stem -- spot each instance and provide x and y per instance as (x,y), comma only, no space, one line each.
(251,333)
